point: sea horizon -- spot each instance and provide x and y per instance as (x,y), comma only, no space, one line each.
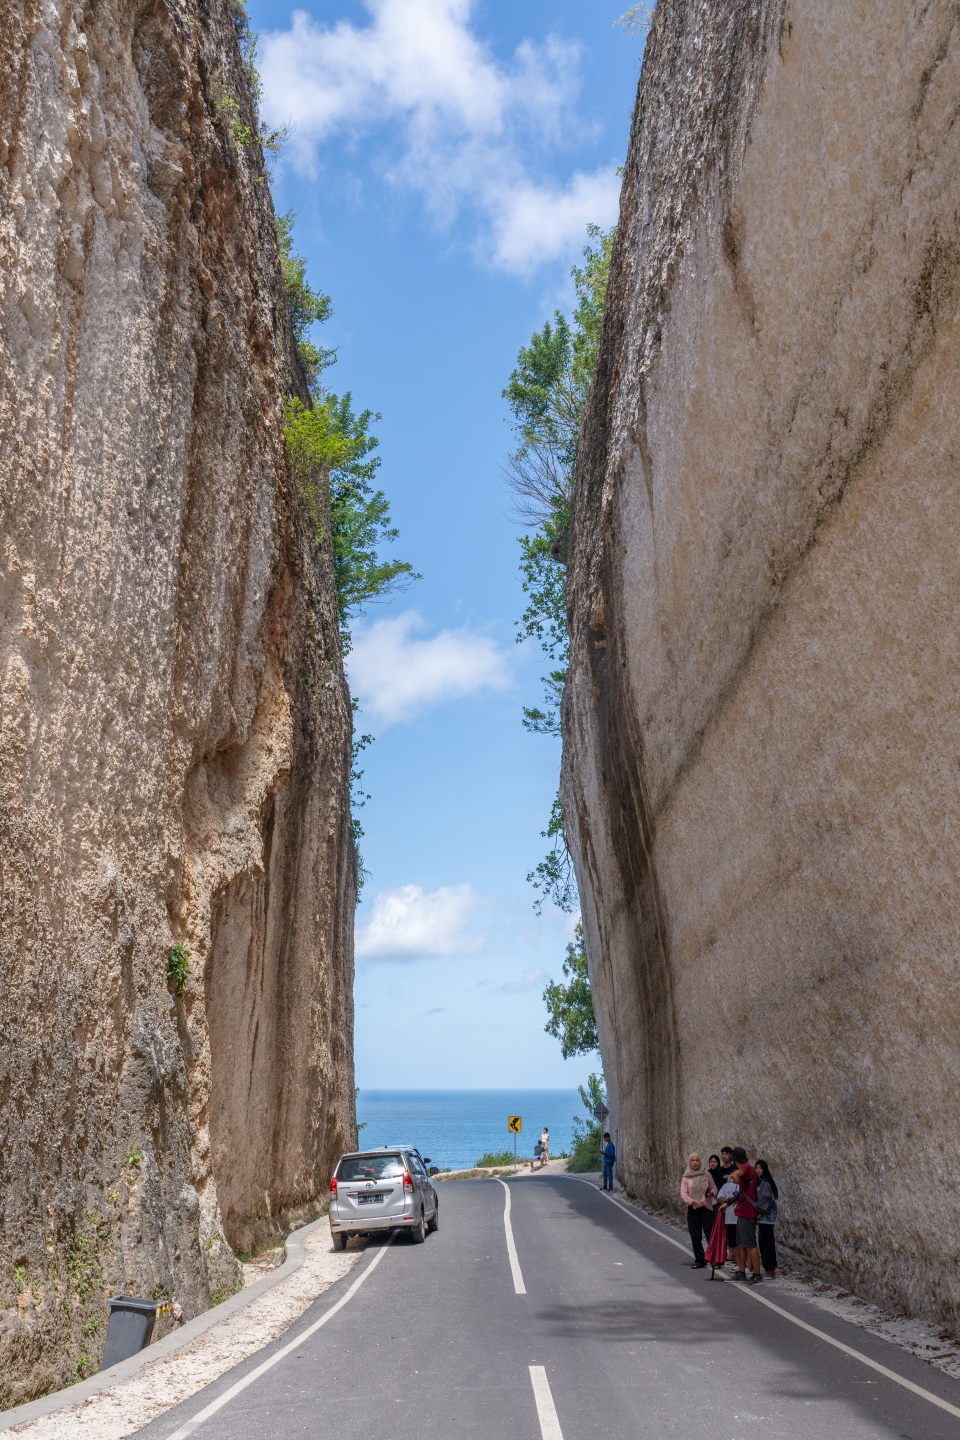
(455,1126)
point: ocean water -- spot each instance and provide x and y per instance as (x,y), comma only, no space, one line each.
(456,1127)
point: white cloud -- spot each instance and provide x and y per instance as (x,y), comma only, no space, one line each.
(527,981)
(411,921)
(459,121)
(395,675)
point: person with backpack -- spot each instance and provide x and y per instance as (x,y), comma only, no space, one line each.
(747,1216)
(697,1192)
(609,1156)
(767,1197)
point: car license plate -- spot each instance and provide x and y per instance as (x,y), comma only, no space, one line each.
(370,1199)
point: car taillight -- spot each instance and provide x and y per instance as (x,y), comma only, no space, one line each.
(407,1182)
(333,1186)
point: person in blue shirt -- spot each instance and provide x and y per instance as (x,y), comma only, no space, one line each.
(609,1160)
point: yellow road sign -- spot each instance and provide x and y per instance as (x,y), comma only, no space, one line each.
(515,1124)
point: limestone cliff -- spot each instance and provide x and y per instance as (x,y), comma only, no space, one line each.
(175,724)
(762,730)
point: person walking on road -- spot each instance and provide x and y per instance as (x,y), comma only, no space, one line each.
(747,1216)
(697,1192)
(544,1146)
(609,1157)
(767,1197)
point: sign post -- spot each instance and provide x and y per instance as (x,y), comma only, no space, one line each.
(514,1126)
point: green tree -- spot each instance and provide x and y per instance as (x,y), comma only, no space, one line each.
(570,1005)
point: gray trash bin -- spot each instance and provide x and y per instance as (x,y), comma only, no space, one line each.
(131,1327)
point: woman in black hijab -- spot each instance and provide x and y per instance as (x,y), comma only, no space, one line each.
(767,1196)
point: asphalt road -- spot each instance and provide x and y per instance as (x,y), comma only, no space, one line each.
(614,1336)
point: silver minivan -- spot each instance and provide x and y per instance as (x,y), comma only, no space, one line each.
(384,1189)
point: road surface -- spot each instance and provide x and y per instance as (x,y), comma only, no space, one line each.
(566,1319)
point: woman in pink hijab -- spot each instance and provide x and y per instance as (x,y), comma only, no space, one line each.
(697,1191)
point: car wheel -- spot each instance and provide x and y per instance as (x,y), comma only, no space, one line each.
(340,1242)
(434,1224)
(419,1233)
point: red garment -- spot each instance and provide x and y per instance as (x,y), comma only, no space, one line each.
(716,1251)
(746,1205)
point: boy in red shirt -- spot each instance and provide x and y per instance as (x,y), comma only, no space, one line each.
(746,1251)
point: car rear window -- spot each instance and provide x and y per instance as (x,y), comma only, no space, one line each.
(371,1167)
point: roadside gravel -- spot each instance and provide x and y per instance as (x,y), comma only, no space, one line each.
(123,1409)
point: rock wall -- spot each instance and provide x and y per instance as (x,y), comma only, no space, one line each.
(762,730)
(175,726)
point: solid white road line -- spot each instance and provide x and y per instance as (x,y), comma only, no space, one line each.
(515,1270)
(228,1395)
(751,1290)
(546,1410)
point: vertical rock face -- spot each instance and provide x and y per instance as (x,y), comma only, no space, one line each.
(762,733)
(175,727)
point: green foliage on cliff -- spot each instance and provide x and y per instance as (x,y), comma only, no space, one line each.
(547,395)
(179,968)
(306,307)
(570,1006)
(334,456)
(637,18)
(553,879)
(333,453)
(588,1134)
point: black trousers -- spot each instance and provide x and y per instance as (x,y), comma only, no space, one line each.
(699,1224)
(767,1247)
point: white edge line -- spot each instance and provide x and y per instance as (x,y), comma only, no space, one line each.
(794,1320)
(224,1399)
(515,1270)
(546,1410)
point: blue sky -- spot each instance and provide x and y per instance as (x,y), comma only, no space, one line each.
(444,161)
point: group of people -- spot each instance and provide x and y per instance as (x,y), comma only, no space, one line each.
(743,1197)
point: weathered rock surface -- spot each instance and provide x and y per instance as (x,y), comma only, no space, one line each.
(175,726)
(762,731)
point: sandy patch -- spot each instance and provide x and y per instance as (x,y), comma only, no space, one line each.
(125,1408)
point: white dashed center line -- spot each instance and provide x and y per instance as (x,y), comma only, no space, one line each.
(546,1410)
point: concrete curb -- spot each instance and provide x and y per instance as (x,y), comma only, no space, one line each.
(176,1340)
